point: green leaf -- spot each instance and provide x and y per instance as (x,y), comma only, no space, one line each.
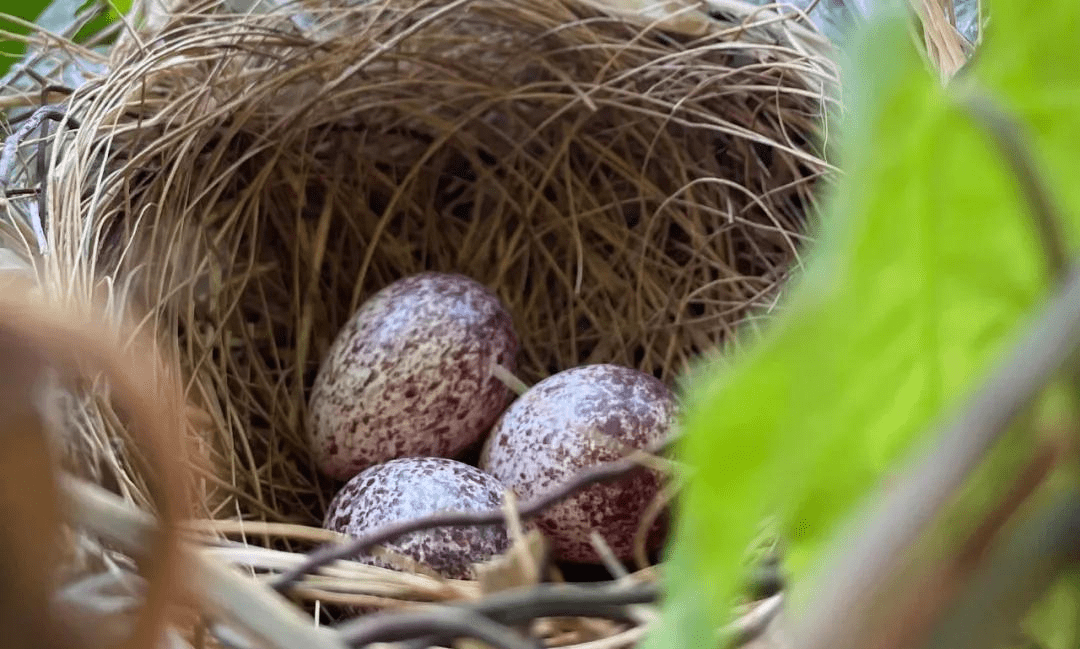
(1054,622)
(11,49)
(925,264)
(1029,65)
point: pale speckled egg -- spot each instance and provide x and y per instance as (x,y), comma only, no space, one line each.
(410,488)
(558,427)
(410,374)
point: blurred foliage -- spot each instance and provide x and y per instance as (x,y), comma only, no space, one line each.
(925,264)
(11,50)
(53,16)
(1055,621)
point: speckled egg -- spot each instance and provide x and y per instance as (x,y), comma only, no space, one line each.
(558,428)
(410,488)
(410,374)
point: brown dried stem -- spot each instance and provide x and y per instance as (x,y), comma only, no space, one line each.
(944,585)
(610,601)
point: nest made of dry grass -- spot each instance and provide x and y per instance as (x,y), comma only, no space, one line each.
(632,189)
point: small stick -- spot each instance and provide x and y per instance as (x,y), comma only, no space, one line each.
(328,554)
(942,588)
(42,197)
(656,507)
(392,627)
(1017,571)
(217,588)
(557,600)
(619,641)
(1007,134)
(525,604)
(11,146)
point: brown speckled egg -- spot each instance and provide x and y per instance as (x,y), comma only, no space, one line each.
(410,488)
(551,433)
(411,375)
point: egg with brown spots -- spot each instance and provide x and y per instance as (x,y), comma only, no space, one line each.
(411,374)
(411,488)
(561,426)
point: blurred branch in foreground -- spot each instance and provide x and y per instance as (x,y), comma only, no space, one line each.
(858,575)
(1017,571)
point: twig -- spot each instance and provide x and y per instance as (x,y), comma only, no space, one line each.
(557,600)
(22,191)
(609,601)
(458,623)
(868,556)
(42,198)
(607,556)
(627,638)
(11,146)
(42,173)
(224,592)
(592,475)
(1007,134)
(765,581)
(1016,573)
(657,506)
(911,627)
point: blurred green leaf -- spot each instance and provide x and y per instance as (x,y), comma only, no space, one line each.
(1029,65)
(925,263)
(1055,621)
(11,49)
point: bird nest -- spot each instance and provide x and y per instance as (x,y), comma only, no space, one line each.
(633,185)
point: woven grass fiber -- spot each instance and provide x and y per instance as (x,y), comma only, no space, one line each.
(632,188)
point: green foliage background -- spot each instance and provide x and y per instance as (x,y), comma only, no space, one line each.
(61,13)
(925,266)
(29,10)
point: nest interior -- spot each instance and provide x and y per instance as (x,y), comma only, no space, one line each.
(630,192)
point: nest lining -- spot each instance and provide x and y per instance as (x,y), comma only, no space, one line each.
(632,193)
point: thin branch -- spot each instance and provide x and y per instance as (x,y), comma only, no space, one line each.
(1008,135)
(42,197)
(942,587)
(11,146)
(20,192)
(866,558)
(217,588)
(1016,573)
(444,622)
(329,553)
(610,601)
(558,600)
(508,379)
(765,581)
